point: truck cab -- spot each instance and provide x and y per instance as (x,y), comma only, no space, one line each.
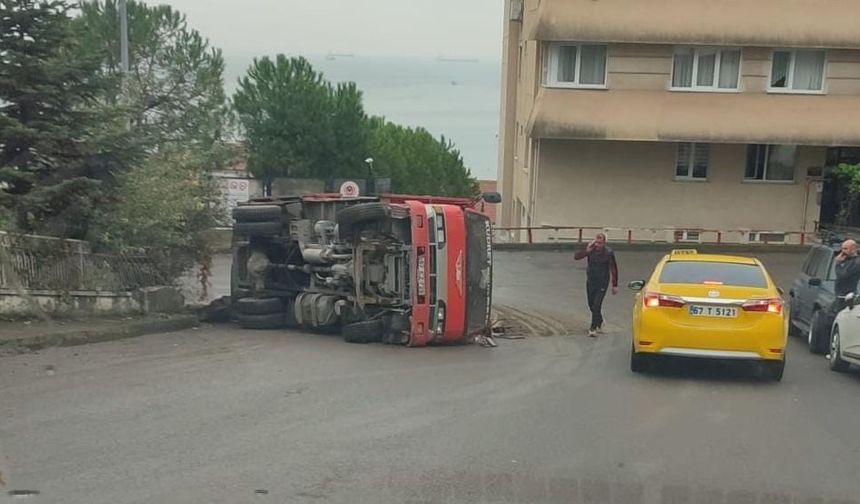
(397,269)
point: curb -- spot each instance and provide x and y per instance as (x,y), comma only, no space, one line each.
(655,247)
(132,329)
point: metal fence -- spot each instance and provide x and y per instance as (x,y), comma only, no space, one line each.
(44,263)
(582,234)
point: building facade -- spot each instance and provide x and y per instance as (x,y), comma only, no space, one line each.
(683,117)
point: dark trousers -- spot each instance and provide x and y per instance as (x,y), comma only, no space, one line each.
(596,291)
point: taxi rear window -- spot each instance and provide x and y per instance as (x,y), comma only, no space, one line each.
(713,273)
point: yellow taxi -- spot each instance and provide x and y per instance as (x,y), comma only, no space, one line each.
(709,306)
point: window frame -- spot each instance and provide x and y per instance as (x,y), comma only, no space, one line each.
(550,67)
(692,160)
(788,89)
(764,179)
(694,87)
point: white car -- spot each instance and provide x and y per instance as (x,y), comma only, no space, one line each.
(845,337)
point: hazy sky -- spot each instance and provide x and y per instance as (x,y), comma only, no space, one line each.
(453,28)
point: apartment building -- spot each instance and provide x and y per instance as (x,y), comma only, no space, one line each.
(684,115)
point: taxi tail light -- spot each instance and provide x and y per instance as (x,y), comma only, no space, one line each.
(764,306)
(654,300)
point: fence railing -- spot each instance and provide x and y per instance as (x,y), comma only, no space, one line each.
(582,234)
(44,263)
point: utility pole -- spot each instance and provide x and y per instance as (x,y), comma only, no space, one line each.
(123,36)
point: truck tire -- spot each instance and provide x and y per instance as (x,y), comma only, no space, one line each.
(290,314)
(257,213)
(350,220)
(270,321)
(263,306)
(271,228)
(366,331)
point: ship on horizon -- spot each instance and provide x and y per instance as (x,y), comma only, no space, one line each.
(446,59)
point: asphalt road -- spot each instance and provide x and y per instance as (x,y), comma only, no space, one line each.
(220,415)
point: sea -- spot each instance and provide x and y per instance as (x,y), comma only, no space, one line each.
(457,98)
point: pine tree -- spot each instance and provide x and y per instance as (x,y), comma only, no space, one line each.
(52,140)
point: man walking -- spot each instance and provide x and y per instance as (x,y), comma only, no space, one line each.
(602,268)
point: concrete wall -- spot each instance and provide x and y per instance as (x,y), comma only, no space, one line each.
(14,304)
(632,184)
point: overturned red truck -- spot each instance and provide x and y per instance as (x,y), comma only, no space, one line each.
(403,270)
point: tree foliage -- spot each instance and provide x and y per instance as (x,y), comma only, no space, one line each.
(57,145)
(174,91)
(417,162)
(162,206)
(287,112)
(296,124)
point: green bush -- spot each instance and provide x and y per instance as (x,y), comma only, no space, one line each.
(162,207)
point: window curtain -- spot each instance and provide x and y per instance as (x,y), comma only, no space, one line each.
(566,64)
(781,161)
(683,75)
(700,160)
(808,70)
(779,72)
(592,68)
(730,63)
(682,165)
(706,69)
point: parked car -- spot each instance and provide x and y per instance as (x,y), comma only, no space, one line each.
(845,336)
(811,296)
(712,307)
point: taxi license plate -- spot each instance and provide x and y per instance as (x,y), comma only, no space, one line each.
(713,311)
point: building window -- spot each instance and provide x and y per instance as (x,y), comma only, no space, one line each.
(576,65)
(800,71)
(774,163)
(706,69)
(692,162)
(767,237)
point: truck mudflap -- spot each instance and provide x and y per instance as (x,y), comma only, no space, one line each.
(421,331)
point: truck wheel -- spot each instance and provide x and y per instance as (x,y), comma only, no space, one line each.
(258,228)
(264,306)
(366,331)
(270,321)
(350,220)
(290,320)
(257,213)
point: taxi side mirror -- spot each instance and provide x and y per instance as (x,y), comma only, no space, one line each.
(636,285)
(851,300)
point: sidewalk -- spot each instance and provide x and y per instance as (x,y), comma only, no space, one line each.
(33,335)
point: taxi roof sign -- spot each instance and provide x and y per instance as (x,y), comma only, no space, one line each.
(683,252)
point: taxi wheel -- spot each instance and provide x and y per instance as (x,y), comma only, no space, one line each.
(773,370)
(639,363)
